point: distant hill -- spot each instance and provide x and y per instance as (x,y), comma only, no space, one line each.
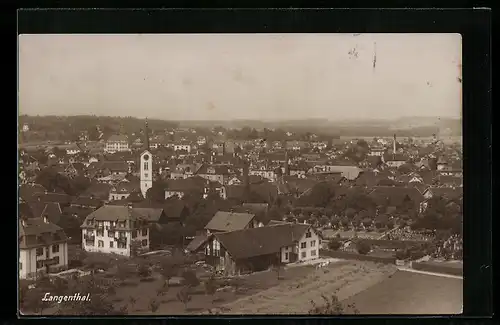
(59,127)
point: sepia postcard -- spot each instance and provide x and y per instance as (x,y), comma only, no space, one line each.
(224,174)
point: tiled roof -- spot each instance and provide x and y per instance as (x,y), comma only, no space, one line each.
(87,201)
(395,196)
(260,241)
(118,137)
(448,192)
(229,221)
(197,243)
(27,191)
(114,212)
(98,190)
(35,231)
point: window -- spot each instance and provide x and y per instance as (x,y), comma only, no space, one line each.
(313,243)
(308,234)
(111,244)
(122,234)
(39,264)
(111,234)
(146,175)
(144,242)
(303,254)
(122,245)
(100,243)
(145,231)
(56,259)
(134,234)
(55,248)
(146,166)
(20,266)
(100,233)
(313,252)
(303,245)
(286,256)
(39,251)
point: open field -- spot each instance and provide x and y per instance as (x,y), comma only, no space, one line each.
(411,293)
(200,302)
(344,278)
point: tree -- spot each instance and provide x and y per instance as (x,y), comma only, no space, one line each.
(363,247)
(154,305)
(144,270)
(334,244)
(80,184)
(210,287)
(402,254)
(184,296)
(332,306)
(278,267)
(169,268)
(190,278)
(156,193)
(135,247)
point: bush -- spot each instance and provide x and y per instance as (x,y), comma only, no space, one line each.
(417,254)
(190,278)
(334,244)
(401,254)
(363,248)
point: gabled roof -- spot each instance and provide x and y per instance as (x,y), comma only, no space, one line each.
(448,192)
(52,211)
(260,241)
(188,184)
(115,212)
(395,196)
(118,137)
(218,170)
(78,211)
(98,190)
(53,197)
(27,191)
(45,233)
(87,201)
(197,243)
(229,221)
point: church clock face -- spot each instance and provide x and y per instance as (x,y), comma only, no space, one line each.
(146,157)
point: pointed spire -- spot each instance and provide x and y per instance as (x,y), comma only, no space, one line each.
(146,135)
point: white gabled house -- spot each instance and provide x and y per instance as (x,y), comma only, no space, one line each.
(43,248)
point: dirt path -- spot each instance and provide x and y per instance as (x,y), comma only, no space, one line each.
(294,297)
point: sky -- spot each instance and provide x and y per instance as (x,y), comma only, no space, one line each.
(241,76)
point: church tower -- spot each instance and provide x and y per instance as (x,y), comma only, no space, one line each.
(146,164)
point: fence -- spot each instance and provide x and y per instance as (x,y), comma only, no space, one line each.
(355,256)
(450,269)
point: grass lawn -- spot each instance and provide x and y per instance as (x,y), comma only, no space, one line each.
(411,293)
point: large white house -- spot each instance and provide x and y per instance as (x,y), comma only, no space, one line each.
(115,229)
(43,248)
(117,143)
(119,229)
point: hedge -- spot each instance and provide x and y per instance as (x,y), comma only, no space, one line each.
(397,244)
(439,268)
(355,256)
